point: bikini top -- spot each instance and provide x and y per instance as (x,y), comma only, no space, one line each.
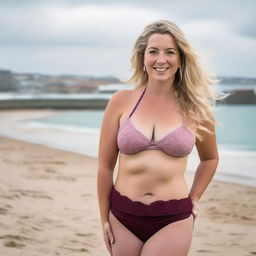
(177,143)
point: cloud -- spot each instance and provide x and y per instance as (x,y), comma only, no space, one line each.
(88,25)
(222,50)
(96,36)
(97,22)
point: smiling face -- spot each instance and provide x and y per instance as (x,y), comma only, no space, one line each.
(161,58)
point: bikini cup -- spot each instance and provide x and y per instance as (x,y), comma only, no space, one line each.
(177,143)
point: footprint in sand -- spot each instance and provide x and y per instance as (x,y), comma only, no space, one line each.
(7,196)
(74,241)
(203,251)
(24,217)
(75,249)
(3,211)
(246,218)
(46,220)
(12,240)
(14,244)
(6,160)
(84,234)
(50,170)
(237,234)
(251,192)
(31,193)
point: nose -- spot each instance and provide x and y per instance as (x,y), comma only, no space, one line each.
(161,58)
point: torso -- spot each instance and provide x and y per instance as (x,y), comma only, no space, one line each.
(152,175)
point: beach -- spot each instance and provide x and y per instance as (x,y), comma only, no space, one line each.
(48,200)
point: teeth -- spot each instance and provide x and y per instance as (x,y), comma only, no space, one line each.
(160,69)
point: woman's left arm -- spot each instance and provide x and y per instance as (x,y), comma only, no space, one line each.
(209,158)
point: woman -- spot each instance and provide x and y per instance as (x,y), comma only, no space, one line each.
(150,210)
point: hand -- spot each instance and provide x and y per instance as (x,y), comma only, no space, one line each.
(195,208)
(108,236)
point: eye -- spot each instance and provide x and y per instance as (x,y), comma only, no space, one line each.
(170,52)
(153,52)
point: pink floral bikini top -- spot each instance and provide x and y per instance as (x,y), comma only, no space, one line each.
(177,143)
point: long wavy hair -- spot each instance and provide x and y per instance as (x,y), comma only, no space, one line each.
(193,86)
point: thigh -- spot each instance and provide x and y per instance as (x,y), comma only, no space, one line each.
(126,243)
(172,240)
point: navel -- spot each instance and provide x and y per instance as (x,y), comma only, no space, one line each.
(148,194)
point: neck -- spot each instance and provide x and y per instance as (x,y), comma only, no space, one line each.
(157,88)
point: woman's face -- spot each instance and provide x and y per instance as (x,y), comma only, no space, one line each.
(161,57)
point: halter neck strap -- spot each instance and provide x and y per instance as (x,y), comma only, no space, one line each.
(141,96)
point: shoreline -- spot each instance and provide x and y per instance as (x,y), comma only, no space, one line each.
(21,125)
(49,207)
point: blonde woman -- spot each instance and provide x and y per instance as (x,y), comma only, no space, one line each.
(150,210)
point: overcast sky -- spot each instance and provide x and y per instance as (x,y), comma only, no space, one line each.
(96,37)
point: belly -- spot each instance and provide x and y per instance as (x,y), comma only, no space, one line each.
(151,175)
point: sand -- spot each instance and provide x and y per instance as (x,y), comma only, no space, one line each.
(48,202)
(48,206)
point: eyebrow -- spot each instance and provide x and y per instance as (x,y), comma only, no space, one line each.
(157,48)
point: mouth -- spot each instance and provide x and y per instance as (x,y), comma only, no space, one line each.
(160,69)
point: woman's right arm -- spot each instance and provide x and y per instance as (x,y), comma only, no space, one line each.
(108,152)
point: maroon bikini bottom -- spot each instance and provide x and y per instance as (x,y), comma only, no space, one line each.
(145,220)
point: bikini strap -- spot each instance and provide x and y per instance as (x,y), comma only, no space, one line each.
(137,102)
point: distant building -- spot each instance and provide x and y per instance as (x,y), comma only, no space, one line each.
(7,81)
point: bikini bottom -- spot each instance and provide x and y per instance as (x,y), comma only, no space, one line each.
(145,220)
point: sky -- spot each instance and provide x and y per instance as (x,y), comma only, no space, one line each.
(96,37)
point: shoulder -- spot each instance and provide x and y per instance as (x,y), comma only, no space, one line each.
(120,96)
(123,98)
(118,103)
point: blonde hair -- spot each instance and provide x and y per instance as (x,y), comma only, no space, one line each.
(192,84)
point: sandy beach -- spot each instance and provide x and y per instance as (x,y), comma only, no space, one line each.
(48,206)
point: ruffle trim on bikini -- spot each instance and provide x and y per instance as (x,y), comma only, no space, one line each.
(156,208)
